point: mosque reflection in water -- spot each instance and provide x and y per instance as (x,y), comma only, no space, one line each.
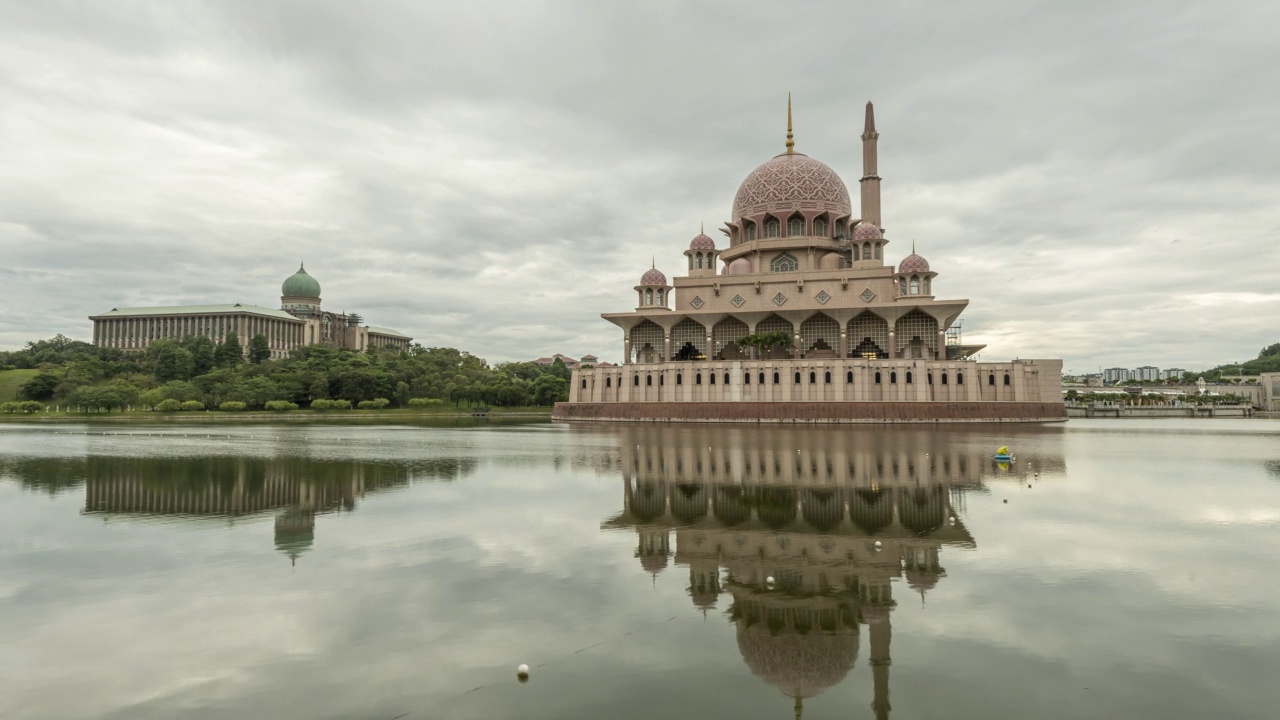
(295,489)
(802,532)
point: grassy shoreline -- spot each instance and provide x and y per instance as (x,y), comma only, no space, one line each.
(301,416)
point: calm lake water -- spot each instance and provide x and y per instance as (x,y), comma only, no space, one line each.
(1123,569)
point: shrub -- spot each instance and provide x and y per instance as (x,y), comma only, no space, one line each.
(340,404)
(280,406)
(9,408)
(425,402)
(321,404)
(192,405)
(169,405)
(375,404)
(30,406)
(232,406)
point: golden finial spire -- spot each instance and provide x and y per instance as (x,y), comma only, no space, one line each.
(791,140)
(913,246)
(653,263)
(702,228)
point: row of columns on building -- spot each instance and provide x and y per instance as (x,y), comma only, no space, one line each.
(139,332)
(841,352)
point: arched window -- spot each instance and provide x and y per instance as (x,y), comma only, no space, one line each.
(785,262)
(902,286)
(635,380)
(661,301)
(797,378)
(813,377)
(857,253)
(662,379)
(915,285)
(772,228)
(776,378)
(877,377)
(866,251)
(1006,378)
(648,379)
(726,378)
(893,377)
(608,382)
(795,226)
(697,379)
(877,251)
(908,377)
(826,377)
(746,378)
(929,377)
(584,383)
(959,378)
(944,378)
(991,379)
(848,376)
(713,378)
(820,227)
(926,289)
(648,297)
(679,378)
(699,261)
(750,231)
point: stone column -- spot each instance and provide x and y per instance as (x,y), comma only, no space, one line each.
(843,350)
(626,348)
(893,345)
(666,347)
(942,345)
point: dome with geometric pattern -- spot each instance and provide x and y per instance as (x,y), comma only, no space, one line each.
(913,263)
(801,666)
(866,230)
(702,241)
(653,276)
(300,284)
(790,182)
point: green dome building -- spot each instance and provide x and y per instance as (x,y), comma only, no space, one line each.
(301,285)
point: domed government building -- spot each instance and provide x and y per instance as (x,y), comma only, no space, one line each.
(299,321)
(798,317)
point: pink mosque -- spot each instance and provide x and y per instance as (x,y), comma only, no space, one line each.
(799,318)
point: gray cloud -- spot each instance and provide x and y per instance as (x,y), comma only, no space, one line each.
(1092,177)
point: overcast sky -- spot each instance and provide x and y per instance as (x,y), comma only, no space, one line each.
(1099,179)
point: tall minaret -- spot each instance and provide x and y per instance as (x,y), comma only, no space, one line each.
(881,637)
(870,178)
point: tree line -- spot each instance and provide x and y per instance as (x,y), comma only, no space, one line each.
(196,370)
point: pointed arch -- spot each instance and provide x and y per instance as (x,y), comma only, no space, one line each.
(785,262)
(795,225)
(820,336)
(724,339)
(776,324)
(869,336)
(772,227)
(689,340)
(820,226)
(916,335)
(647,342)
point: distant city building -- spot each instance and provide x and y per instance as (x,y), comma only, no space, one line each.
(1147,372)
(298,322)
(1116,375)
(1173,374)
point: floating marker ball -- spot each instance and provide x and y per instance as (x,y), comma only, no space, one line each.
(878,544)
(768,582)
(522,672)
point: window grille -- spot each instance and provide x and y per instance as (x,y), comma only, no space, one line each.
(819,332)
(786,262)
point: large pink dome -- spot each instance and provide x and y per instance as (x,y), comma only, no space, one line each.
(653,276)
(789,182)
(913,263)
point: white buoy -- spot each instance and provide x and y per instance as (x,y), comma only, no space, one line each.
(953,520)
(768,582)
(878,544)
(522,672)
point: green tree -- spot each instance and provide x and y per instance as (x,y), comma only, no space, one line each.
(203,354)
(172,362)
(402,394)
(259,349)
(40,387)
(229,352)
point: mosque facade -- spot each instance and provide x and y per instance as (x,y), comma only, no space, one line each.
(299,321)
(799,316)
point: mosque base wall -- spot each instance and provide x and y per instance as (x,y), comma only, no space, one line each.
(813,412)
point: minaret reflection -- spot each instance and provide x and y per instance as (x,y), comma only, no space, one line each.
(803,531)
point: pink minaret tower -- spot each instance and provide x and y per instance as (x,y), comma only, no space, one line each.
(870,178)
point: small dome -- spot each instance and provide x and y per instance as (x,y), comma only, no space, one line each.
(741,266)
(300,284)
(702,241)
(801,666)
(789,182)
(913,263)
(653,276)
(867,231)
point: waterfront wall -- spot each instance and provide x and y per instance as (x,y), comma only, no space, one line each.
(1139,411)
(813,412)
